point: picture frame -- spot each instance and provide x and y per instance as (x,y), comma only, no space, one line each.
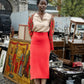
(2,60)
(24,32)
(17,64)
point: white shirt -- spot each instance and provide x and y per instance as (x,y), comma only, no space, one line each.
(41,25)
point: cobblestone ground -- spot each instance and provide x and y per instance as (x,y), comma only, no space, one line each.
(4,80)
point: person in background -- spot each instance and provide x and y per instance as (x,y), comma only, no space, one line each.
(41,29)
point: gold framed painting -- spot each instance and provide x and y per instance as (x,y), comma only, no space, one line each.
(17,61)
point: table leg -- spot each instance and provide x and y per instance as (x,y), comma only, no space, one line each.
(74,32)
(72,58)
(83,58)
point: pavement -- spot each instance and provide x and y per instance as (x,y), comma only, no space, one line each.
(4,80)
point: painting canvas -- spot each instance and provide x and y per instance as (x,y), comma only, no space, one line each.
(17,61)
(23,32)
(2,60)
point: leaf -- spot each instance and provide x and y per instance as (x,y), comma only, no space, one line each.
(70,7)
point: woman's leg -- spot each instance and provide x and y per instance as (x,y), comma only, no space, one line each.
(43,81)
(37,81)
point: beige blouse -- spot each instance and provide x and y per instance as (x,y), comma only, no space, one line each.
(41,25)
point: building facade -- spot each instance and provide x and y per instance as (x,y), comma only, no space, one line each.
(17,10)
(13,5)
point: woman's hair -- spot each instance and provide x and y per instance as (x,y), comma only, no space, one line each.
(40,0)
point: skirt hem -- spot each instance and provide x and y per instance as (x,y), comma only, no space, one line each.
(39,78)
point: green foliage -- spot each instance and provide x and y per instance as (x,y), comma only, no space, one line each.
(73,8)
(54,3)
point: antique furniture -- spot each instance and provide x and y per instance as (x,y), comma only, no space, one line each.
(76,48)
(76,21)
(63,75)
(66,61)
(59,48)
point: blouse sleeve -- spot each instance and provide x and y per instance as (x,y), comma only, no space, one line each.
(51,32)
(30,26)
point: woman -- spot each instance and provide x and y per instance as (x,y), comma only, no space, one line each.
(41,29)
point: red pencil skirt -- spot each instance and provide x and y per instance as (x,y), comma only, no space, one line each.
(39,56)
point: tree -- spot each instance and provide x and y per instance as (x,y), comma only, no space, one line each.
(73,8)
(54,2)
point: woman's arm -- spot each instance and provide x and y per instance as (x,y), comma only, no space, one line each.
(51,32)
(30,26)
